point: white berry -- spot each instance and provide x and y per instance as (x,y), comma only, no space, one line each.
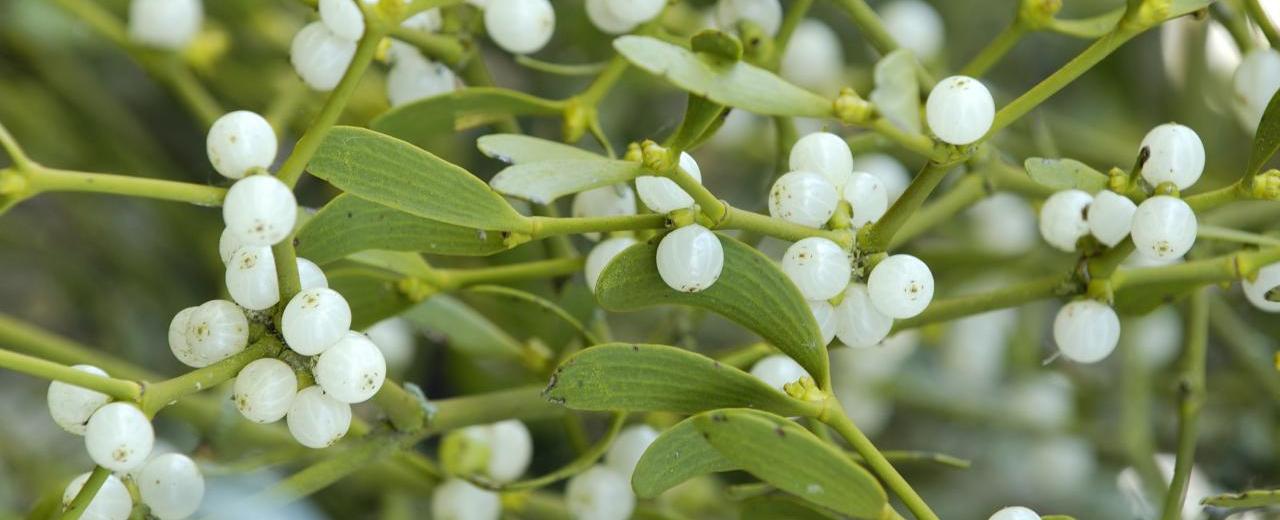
(824,153)
(891,173)
(178,339)
(457,499)
(260,210)
(414,77)
(599,14)
(216,330)
(320,57)
(1062,219)
(351,370)
(1015,513)
(599,493)
(1262,291)
(804,198)
(167,24)
(901,286)
(228,244)
(818,267)
(868,198)
(343,17)
(600,257)
(520,26)
(1004,223)
(1086,331)
(314,320)
(510,450)
(1164,228)
(778,370)
(860,324)
(960,110)
(71,406)
(316,420)
(240,141)
(690,258)
(112,502)
(765,13)
(1174,154)
(119,437)
(825,314)
(1255,82)
(394,337)
(1110,217)
(814,58)
(310,276)
(916,26)
(635,11)
(264,390)
(172,486)
(625,452)
(605,201)
(251,278)
(663,195)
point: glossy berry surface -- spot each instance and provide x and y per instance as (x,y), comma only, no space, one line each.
(240,141)
(112,502)
(316,420)
(314,320)
(1174,153)
(1110,217)
(520,26)
(778,370)
(119,437)
(901,286)
(351,370)
(663,195)
(172,486)
(1086,331)
(601,255)
(860,324)
(1164,228)
(1063,219)
(71,406)
(804,198)
(260,210)
(264,390)
(960,110)
(818,267)
(824,153)
(690,258)
(600,493)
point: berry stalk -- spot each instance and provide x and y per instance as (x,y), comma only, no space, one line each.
(835,417)
(1190,401)
(86,494)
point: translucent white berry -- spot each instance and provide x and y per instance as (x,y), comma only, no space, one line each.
(814,57)
(804,198)
(320,57)
(603,18)
(260,210)
(600,256)
(605,201)
(625,452)
(71,406)
(314,320)
(1015,513)
(240,141)
(960,110)
(228,244)
(216,330)
(167,24)
(901,286)
(520,26)
(868,198)
(690,258)
(765,13)
(1086,331)
(1110,217)
(1062,219)
(316,420)
(310,276)
(599,493)
(112,502)
(1164,228)
(264,390)
(343,17)
(1174,154)
(457,499)
(635,11)
(825,314)
(860,324)
(891,173)
(119,437)
(1263,291)
(777,370)
(510,450)
(825,153)
(172,486)
(1004,223)
(394,337)
(351,370)
(1255,82)
(1157,336)
(414,77)
(818,267)
(178,339)
(916,25)
(251,278)
(663,195)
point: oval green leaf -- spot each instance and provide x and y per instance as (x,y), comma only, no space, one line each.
(459,110)
(1267,138)
(463,328)
(794,460)
(897,91)
(771,507)
(543,182)
(752,291)
(1065,174)
(396,174)
(349,224)
(736,84)
(518,149)
(678,454)
(635,377)
(371,293)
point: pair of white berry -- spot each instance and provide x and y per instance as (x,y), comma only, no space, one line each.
(165,24)
(899,287)
(605,201)
(251,273)
(205,334)
(117,435)
(321,51)
(622,16)
(823,173)
(171,485)
(1162,227)
(690,258)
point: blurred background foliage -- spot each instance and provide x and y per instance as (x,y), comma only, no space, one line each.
(110,272)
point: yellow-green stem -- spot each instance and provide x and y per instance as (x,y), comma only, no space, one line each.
(835,417)
(117,388)
(1190,401)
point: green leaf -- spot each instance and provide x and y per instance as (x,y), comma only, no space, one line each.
(897,91)
(702,118)
(349,224)
(399,262)
(794,460)
(1184,7)
(772,507)
(717,44)
(678,454)
(634,377)
(401,176)
(371,293)
(459,110)
(1267,139)
(517,149)
(464,329)
(1252,498)
(752,291)
(736,84)
(544,182)
(1065,174)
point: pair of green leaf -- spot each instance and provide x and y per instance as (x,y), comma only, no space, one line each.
(542,171)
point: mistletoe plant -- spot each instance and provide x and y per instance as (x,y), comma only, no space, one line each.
(321,308)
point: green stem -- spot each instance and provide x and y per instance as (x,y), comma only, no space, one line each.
(1087,28)
(287,277)
(876,237)
(403,409)
(1190,401)
(1211,232)
(1212,199)
(418,6)
(158,395)
(331,469)
(446,49)
(116,388)
(1135,418)
(714,208)
(458,278)
(49,179)
(749,221)
(869,23)
(996,50)
(543,227)
(284,106)
(86,494)
(19,157)
(918,143)
(1226,268)
(835,417)
(968,191)
(1012,296)
(600,87)
(1268,25)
